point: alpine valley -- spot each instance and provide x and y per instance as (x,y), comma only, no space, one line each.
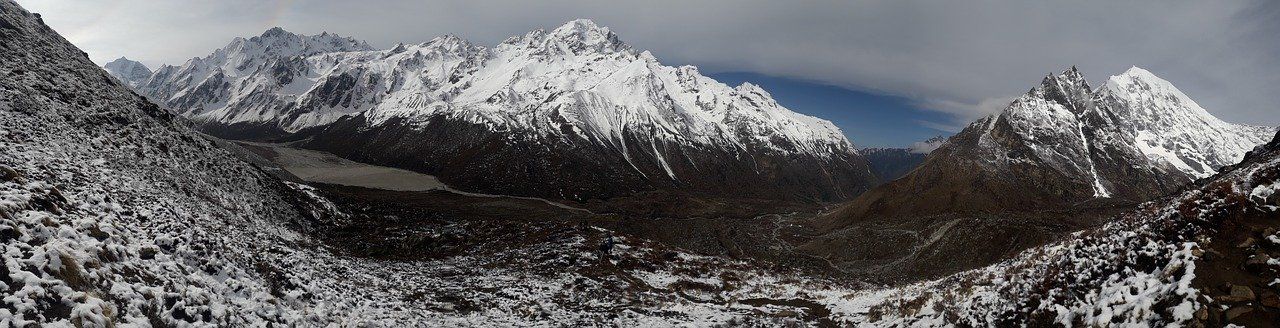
(562,178)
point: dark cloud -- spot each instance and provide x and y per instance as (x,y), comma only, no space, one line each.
(963,58)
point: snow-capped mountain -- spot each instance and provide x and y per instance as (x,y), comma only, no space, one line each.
(1063,143)
(1136,138)
(575,94)
(130,72)
(1170,129)
(227,79)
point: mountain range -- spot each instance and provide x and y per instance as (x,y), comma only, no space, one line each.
(571,113)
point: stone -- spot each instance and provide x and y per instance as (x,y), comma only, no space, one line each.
(1270,299)
(1238,294)
(7,174)
(1257,262)
(1248,242)
(1235,312)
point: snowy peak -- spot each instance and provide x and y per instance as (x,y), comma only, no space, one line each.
(1068,88)
(587,34)
(275,32)
(575,38)
(1172,130)
(452,43)
(1136,120)
(280,43)
(245,55)
(1137,85)
(130,72)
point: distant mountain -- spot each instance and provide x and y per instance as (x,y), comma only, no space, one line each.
(130,72)
(572,113)
(1060,158)
(892,163)
(231,84)
(1063,144)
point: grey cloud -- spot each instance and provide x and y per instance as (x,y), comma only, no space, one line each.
(952,56)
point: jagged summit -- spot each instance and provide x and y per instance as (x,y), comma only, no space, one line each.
(128,71)
(576,37)
(582,25)
(289,43)
(275,32)
(586,33)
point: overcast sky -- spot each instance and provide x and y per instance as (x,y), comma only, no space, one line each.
(962,58)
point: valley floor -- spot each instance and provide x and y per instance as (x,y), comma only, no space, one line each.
(322,167)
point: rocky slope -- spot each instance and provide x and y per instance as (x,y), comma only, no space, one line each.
(130,72)
(571,113)
(113,213)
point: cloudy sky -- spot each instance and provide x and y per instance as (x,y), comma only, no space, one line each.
(946,62)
